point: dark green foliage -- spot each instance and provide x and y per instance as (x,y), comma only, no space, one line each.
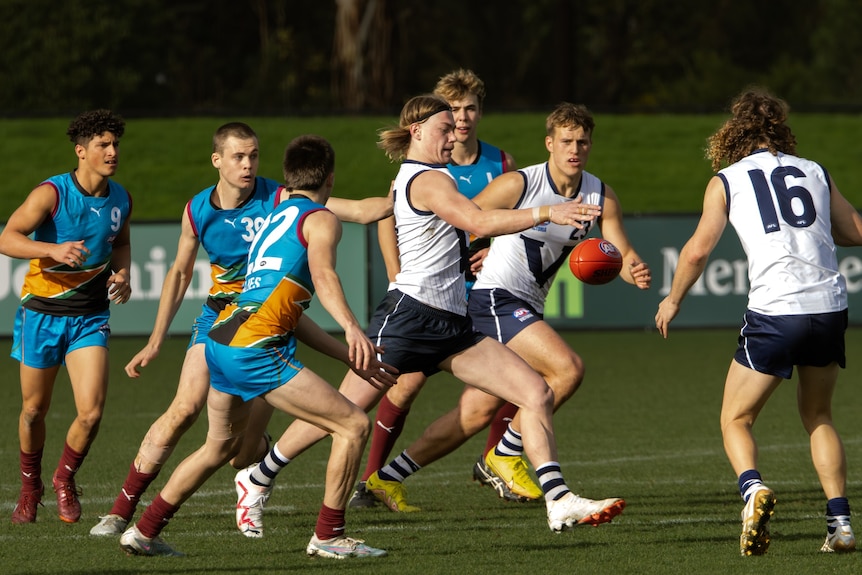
(257,57)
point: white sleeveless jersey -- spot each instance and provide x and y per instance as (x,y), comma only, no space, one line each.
(779,206)
(433,254)
(525,263)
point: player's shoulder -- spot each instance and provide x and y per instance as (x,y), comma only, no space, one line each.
(267,187)
(490,150)
(202,196)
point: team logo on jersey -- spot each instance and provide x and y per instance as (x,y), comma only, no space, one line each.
(522,314)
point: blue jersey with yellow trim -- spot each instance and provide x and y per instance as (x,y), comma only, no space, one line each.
(226,235)
(471,179)
(278,287)
(56,288)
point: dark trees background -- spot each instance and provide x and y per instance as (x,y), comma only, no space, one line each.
(180,57)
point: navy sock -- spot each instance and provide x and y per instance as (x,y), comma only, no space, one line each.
(838,506)
(747,479)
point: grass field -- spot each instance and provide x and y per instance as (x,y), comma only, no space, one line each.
(643,426)
(654,162)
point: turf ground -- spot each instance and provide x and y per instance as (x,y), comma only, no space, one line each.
(643,426)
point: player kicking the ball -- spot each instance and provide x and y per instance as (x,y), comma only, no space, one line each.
(426,328)
(507,303)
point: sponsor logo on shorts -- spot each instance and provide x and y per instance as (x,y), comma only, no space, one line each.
(522,314)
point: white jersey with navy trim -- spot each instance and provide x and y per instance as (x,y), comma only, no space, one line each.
(525,263)
(780,208)
(432,253)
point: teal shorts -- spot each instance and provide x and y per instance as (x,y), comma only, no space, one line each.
(202,325)
(249,372)
(41,340)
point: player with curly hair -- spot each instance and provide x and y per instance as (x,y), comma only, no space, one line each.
(79,256)
(789,216)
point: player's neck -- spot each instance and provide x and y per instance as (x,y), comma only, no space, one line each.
(90,182)
(465,153)
(313,196)
(567,186)
(228,197)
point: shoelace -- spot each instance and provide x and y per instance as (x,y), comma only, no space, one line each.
(26,498)
(68,490)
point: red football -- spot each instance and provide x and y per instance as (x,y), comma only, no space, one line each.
(595,261)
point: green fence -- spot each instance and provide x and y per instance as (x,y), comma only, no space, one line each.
(717,300)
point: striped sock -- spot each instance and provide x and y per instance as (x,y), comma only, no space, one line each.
(551,479)
(749,482)
(266,471)
(499,426)
(399,468)
(511,445)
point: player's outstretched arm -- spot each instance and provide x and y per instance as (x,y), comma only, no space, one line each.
(434,191)
(364,211)
(378,374)
(322,231)
(177,281)
(635,271)
(694,255)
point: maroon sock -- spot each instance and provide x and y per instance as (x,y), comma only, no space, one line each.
(388,425)
(499,426)
(31,470)
(70,461)
(330,523)
(134,486)
(156,517)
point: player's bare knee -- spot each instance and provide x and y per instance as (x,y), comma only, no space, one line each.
(33,414)
(231,449)
(89,420)
(812,420)
(408,388)
(563,387)
(538,398)
(478,416)
(183,415)
(357,426)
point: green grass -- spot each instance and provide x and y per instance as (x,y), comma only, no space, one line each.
(654,162)
(644,426)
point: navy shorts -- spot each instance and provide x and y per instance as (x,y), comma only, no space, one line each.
(416,337)
(774,344)
(499,314)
